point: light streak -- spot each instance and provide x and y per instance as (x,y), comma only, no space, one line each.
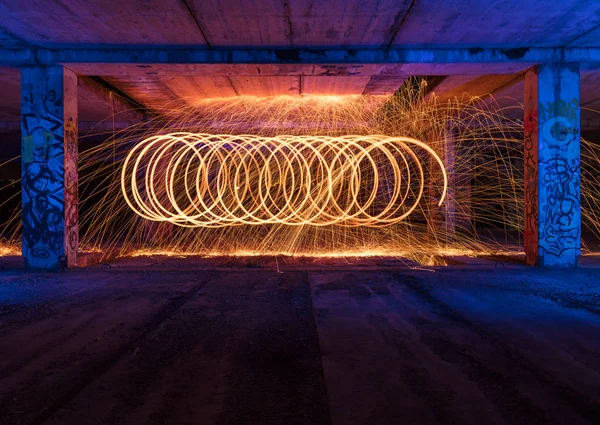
(483,201)
(9,249)
(290,180)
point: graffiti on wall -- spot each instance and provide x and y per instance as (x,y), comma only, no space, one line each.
(531,184)
(559,167)
(49,180)
(561,124)
(71,190)
(560,224)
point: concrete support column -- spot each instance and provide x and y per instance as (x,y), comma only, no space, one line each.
(552,165)
(442,219)
(160,233)
(49,167)
(449,160)
(434,212)
(464,211)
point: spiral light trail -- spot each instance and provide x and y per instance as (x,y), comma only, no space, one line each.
(204,189)
(206,180)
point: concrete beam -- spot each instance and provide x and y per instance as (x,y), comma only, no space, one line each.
(150,55)
(84,127)
(92,92)
(552,165)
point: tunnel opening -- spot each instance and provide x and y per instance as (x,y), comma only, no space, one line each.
(406,175)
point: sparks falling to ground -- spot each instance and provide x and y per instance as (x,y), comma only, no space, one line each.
(401,175)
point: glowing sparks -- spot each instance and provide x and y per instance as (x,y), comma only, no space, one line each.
(6,249)
(291,180)
(300,186)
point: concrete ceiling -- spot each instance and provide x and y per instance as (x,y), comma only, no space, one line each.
(210,24)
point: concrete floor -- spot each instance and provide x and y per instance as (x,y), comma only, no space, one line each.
(300,341)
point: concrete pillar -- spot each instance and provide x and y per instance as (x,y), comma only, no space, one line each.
(49,167)
(552,165)
(448,158)
(442,219)
(435,217)
(160,233)
(462,193)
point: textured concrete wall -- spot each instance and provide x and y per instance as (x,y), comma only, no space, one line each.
(552,165)
(448,157)
(49,167)
(530,131)
(441,222)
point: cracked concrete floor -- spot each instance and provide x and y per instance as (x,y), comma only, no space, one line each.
(300,341)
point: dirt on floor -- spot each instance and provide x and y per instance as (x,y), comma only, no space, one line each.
(280,340)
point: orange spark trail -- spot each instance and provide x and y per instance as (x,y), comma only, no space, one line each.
(292,180)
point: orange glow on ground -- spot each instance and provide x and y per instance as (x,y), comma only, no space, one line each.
(7,250)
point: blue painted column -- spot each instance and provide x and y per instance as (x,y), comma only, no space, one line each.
(552,165)
(49,167)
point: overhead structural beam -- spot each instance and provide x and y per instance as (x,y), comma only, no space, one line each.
(84,127)
(147,55)
(124,109)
